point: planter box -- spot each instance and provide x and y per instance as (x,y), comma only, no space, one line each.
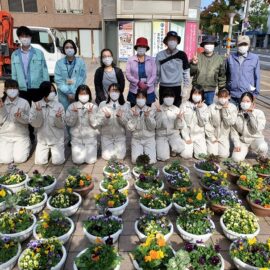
(17,187)
(9,265)
(117,211)
(179,209)
(126,174)
(136,175)
(84,191)
(48,189)
(163,211)
(141,191)
(105,190)
(200,173)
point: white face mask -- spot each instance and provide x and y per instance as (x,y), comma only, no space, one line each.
(196,98)
(70,52)
(107,61)
(209,48)
(140,102)
(25,41)
(12,93)
(172,44)
(114,96)
(51,96)
(223,101)
(245,105)
(242,49)
(83,98)
(141,51)
(168,101)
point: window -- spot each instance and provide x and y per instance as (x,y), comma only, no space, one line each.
(69,6)
(43,39)
(22,5)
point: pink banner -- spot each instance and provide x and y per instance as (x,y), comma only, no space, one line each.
(191,39)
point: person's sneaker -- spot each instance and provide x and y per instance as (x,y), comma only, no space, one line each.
(173,154)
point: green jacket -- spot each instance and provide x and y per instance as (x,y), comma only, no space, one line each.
(209,72)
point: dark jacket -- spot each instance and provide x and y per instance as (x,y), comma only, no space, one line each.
(100,95)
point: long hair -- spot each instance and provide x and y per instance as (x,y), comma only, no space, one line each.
(196,89)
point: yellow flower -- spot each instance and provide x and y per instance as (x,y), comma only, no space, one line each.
(125,192)
(110,187)
(252,241)
(6,245)
(160,254)
(69,190)
(3,193)
(97,197)
(111,203)
(45,216)
(61,190)
(147,258)
(45,225)
(199,196)
(119,174)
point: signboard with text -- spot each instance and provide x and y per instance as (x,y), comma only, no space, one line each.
(125,40)
(191,39)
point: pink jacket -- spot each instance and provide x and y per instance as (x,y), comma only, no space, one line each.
(133,75)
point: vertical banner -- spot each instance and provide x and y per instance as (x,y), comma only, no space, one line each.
(159,32)
(179,27)
(125,40)
(191,39)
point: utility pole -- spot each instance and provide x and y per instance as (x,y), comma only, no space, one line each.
(231,15)
(245,20)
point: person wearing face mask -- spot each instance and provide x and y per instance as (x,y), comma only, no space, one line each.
(195,114)
(208,69)
(142,125)
(81,117)
(107,74)
(169,121)
(112,119)
(69,74)
(14,134)
(243,71)
(141,73)
(247,133)
(48,117)
(172,68)
(222,116)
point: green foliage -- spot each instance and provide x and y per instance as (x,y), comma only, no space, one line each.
(40,181)
(8,249)
(258,14)
(180,261)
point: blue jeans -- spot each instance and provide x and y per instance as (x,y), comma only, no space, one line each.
(209,97)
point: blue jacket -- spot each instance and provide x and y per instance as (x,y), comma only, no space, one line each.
(245,77)
(37,69)
(63,71)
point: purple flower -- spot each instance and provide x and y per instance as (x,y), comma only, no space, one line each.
(217,248)
(6,239)
(215,260)
(257,201)
(189,247)
(202,260)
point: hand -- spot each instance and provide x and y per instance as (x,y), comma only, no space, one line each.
(252,107)
(134,112)
(107,113)
(180,115)
(90,109)
(200,104)
(74,108)
(142,85)
(189,142)
(147,113)
(119,113)
(1,103)
(71,98)
(38,106)
(59,113)
(157,105)
(237,149)
(195,59)
(69,81)
(18,114)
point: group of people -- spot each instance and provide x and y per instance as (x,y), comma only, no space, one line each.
(159,128)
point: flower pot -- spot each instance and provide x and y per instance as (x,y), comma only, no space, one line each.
(143,237)
(13,261)
(204,187)
(233,177)
(179,209)
(200,173)
(168,174)
(195,238)
(174,188)
(234,235)
(117,211)
(23,235)
(136,175)
(243,189)
(141,191)
(76,268)
(126,174)
(148,210)
(69,211)
(105,190)
(218,208)
(48,189)
(56,267)
(17,187)
(3,204)
(258,210)
(263,175)
(34,208)
(63,238)
(85,190)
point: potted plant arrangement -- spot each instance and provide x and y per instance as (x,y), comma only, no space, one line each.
(65,200)
(4,194)
(45,182)
(248,254)
(113,201)
(103,227)
(144,167)
(18,225)
(10,251)
(114,181)
(197,257)
(263,167)
(33,200)
(208,164)
(174,168)
(98,256)
(43,254)
(218,179)
(156,202)
(155,253)
(220,198)
(195,226)
(188,199)
(115,166)
(14,179)
(235,169)
(152,224)
(54,224)
(237,222)
(259,201)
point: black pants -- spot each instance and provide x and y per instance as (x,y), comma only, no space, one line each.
(177,93)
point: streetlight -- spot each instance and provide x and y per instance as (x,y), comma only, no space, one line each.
(231,15)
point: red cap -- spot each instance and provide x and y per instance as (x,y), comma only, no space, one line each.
(141,42)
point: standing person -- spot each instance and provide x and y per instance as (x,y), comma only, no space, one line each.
(208,69)
(141,73)
(69,73)
(243,71)
(113,119)
(107,74)
(172,68)
(14,134)
(48,117)
(81,117)
(247,133)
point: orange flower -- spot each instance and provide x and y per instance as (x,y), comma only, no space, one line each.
(147,259)
(267,206)
(182,189)
(189,200)
(81,183)
(88,177)
(95,258)
(161,242)
(45,225)
(110,203)
(243,177)
(153,254)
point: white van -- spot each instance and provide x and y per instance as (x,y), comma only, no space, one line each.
(49,41)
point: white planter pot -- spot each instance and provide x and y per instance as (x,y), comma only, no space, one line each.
(69,211)
(126,174)
(13,261)
(168,174)
(194,238)
(200,173)
(3,204)
(117,211)
(233,235)
(34,208)
(63,238)
(179,209)
(143,237)
(105,190)
(17,187)
(21,236)
(49,189)
(136,175)
(141,191)
(163,211)
(243,266)
(76,268)
(56,267)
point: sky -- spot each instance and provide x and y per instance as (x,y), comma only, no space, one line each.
(206,2)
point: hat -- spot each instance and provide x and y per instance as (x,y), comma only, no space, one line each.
(243,39)
(171,34)
(141,42)
(208,39)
